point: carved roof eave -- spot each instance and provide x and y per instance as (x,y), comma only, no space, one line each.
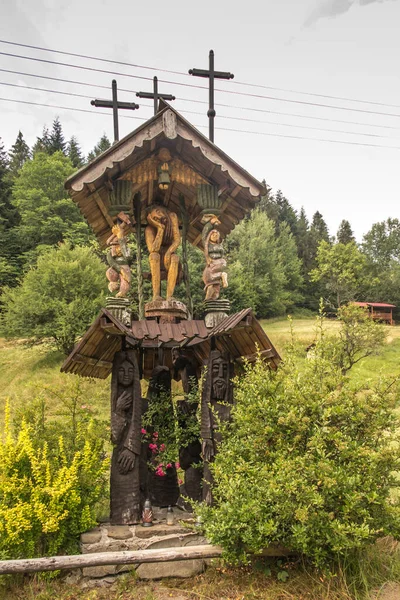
(171,124)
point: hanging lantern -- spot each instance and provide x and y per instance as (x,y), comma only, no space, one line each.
(147,514)
(163,176)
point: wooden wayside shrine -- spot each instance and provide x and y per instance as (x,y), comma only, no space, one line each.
(165,185)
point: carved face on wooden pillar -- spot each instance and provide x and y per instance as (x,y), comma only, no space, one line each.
(126,374)
(219,375)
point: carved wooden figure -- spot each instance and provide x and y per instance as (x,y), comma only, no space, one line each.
(119,257)
(216,405)
(189,453)
(126,438)
(214,274)
(162,239)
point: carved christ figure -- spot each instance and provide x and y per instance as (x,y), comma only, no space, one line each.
(119,257)
(162,239)
(126,439)
(214,275)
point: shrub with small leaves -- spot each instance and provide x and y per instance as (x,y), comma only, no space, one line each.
(308,462)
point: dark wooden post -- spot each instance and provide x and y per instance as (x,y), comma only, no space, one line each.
(137,209)
(115,105)
(186,276)
(155,95)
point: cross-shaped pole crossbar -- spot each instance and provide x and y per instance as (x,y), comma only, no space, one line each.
(211,74)
(155,95)
(115,105)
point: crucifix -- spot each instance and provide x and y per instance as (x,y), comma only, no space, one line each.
(211,74)
(115,105)
(155,95)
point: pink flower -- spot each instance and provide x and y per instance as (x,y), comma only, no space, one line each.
(160,472)
(155,435)
(177,465)
(169,466)
(162,447)
(144,431)
(180,481)
(153,448)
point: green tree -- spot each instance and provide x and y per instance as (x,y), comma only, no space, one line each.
(57,140)
(48,215)
(74,153)
(382,243)
(18,155)
(345,233)
(103,145)
(43,143)
(341,268)
(309,462)
(9,217)
(290,265)
(58,298)
(256,277)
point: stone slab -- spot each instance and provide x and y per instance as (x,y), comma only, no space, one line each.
(159,530)
(119,532)
(91,537)
(97,572)
(179,568)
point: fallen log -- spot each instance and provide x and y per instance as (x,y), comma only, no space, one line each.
(97,559)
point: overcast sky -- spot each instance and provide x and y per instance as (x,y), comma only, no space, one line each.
(343,48)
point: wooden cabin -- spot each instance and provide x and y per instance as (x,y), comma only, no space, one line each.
(379,311)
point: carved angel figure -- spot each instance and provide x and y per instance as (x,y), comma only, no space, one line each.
(214,274)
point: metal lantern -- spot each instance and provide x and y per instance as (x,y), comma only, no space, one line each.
(208,199)
(147,514)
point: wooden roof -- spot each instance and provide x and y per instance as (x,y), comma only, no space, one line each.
(191,150)
(240,334)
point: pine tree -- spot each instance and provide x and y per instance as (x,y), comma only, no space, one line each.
(103,145)
(18,155)
(9,217)
(57,140)
(8,214)
(345,233)
(319,229)
(286,212)
(74,152)
(42,144)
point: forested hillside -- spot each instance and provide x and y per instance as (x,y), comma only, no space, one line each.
(279,259)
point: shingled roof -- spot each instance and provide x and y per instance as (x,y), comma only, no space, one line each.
(240,334)
(204,161)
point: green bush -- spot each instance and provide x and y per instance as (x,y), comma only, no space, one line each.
(58,298)
(48,495)
(309,462)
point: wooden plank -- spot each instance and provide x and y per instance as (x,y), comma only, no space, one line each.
(103,208)
(96,559)
(104,364)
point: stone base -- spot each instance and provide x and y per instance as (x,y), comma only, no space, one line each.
(216,311)
(166,311)
(120,309)
(114,538)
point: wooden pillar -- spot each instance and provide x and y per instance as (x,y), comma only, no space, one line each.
(137,209)
(186,275)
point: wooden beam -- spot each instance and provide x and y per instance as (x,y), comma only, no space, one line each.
(251,357)
(94,362)
(103,209)
(96,559)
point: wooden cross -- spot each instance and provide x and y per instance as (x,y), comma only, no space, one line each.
(155,95)
(115,105)
(211,74)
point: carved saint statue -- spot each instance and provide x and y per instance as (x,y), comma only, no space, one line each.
(119,257)
(216,405)
(162,239)
(190,452)
(214,275)
(126,439)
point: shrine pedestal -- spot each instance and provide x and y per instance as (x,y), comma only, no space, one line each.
(166,311)
(112,538)
(120,309)
(216,311)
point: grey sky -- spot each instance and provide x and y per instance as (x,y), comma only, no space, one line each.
(354,55)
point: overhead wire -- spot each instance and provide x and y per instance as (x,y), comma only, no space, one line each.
(217,104)
(181,73)
(259,96)
(340,131)
(269,134)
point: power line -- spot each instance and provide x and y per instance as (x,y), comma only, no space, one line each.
(247,108)
(181,73)
(340,131)
(269,134)
(259,96)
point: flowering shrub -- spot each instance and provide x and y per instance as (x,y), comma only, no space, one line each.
(309,461)
(46,498)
